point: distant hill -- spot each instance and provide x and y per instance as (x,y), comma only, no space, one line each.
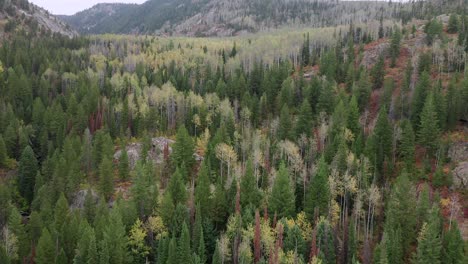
(224,17)
(24,16)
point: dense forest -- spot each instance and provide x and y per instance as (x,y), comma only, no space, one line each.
(343,144)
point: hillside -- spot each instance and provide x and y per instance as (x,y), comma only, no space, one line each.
(24,16)
(224,17)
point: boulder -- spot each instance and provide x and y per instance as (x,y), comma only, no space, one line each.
(458,152)
(156,152)
(460,175)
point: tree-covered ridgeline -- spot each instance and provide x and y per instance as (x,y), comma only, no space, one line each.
(307,154)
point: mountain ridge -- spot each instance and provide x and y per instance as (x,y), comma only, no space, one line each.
(34,20)
(222,17)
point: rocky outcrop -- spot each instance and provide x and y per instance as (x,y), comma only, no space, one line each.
(458,154)
(460,175)
(80,197)
(156,152)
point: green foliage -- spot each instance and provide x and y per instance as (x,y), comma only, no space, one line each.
(453,24)
(176,188)
(381,141)
(282,200)
(433,29)
(250,194)
(453,251)
(378,73)
(407,144)
(183,249)
(145,191)
(318,195)
(395,46)
(115,238)
(3,153)
(429,243)
(183,149)
(172,255)
(285,124)
(202,189)
(428,133)
(124,169)
(325,241)
(304,121)
(106,178)
(27,174)
(400,213)
(45,251)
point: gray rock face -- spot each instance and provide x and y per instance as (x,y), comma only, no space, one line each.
(80,197)
(458,153)
(156,152)
(460,175)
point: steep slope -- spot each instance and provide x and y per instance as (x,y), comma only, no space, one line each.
(24,16)
(129,18)
(225,17)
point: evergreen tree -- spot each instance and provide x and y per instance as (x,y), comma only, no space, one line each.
(106,178)
(326,99)
(162,251)
(183,150)
(452,24)
(104,254)
(429,245)
(395,46)
(124,169)
(202,189)
(17,229)
(382,140)
(172,255)
(453,251)
(201,250)
(440,179)
(3,153)
(116,239)
(45,251)
(282,200)
(27,174)
(250,194)
(176,188)
(304,121)
(61,257)
(306,51)
(318,195)
(433,29)
(285,124)
(184,252)
(92,250)
(378,73)
(423,205)
(353,117)
(439,100)
(419,98)
(144,190)
(428,133)
(407,145)
(325,241)
(217,257)
(400,213)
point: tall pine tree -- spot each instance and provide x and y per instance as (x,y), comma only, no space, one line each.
(282,200)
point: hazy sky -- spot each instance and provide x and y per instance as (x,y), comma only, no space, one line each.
(70,7)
